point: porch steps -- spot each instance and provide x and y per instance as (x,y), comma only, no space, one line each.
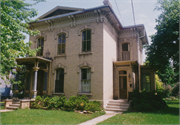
(15,105)
(117,106)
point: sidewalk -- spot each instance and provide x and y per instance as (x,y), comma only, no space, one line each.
(5,110)
(98,119)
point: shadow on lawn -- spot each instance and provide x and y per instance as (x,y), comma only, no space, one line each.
(166,110)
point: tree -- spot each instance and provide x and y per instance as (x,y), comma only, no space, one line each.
(164,50)
(15,18)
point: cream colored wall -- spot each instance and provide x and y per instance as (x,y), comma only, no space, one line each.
(72,59)
(109,56)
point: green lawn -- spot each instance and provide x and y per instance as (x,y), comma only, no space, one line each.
(39,116)
(169,115)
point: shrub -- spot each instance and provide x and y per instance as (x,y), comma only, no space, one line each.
(147,101)
(175,91)
(78,103)
(93,106)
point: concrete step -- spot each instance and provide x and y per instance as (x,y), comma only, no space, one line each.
(15,105)
(117,110)
(16,102)
(117,107)
(112,112)
(119,100)
(12,107)
(118,104)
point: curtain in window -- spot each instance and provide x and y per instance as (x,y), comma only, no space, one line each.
(86,80)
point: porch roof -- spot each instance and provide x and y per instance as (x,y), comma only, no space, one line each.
(125,62)
(30,60)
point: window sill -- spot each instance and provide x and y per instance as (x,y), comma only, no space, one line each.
(84,93)
(85,53)
(63,55)
(58,93)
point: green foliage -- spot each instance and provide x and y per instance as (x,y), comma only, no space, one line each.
(159,84)
(93,106)
(164,49)
(15,18)
(74,103)
(147,101)
(169,115)
(175,91)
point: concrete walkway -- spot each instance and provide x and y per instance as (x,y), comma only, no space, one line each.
(5,110)
(98,119)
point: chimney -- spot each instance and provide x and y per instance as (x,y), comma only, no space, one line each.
(106,2)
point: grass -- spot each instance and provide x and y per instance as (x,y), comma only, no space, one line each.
(39,116)
(2,107)
(169,115)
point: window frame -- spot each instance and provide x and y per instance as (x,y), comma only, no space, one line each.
(61,44)
(142,82)
(55,75)
(42,47)
(85,80)
(125,51)
(86,41)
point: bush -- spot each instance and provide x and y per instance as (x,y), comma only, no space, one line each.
(74,103)
(147,101)
(93,106)
(77,103)
(175,91)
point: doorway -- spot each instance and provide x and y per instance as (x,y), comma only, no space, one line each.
(123,84)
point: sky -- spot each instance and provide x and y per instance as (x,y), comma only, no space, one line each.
(143,10)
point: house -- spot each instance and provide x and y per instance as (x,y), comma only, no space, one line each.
(87,52)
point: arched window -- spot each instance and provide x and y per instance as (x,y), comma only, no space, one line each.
(125,51)
(59,83)
(85,80)
(61,43)
(40,44)
(86,40)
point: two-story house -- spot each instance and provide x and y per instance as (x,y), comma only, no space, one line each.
(87,52)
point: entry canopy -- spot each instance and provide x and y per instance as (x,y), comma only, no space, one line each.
(31,60)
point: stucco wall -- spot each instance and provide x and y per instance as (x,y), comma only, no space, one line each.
(109,56)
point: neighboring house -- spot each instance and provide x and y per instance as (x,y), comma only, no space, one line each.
(5,85)
(87,52)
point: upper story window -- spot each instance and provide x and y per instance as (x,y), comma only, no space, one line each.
(61,43)
(86,40)
(125,51)
(41,45)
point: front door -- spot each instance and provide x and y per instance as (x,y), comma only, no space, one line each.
(40,82)
(123,87)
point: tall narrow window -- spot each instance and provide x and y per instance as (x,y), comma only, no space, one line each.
(86,40)
(61,44)
(86,80)
(125,51)
(59,85)
(41,45)
(145,83)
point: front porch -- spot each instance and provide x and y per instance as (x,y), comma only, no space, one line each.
(37,75)
(129,75)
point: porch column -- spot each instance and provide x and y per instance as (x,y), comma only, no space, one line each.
(34,91)
(15,86)
(27,86)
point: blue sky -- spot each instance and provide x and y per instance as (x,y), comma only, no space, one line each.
(143,9)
